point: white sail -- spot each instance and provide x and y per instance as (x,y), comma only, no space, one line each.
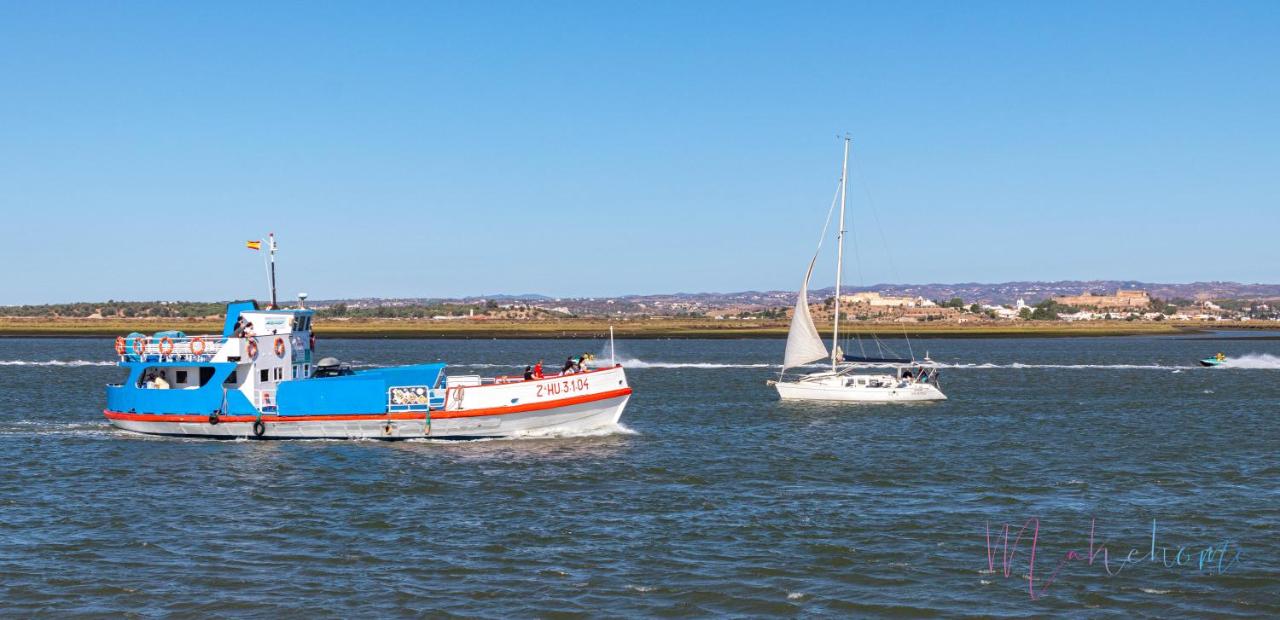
(804,345)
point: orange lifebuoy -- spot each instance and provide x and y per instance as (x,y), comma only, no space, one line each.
(120,348)
(139,345)
(253,349)
(279,347)
(197,346)
(166,346)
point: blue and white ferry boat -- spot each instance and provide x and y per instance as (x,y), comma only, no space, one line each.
(260,378)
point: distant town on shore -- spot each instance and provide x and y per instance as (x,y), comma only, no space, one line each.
(885,303)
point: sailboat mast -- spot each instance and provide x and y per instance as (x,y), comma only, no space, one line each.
(835,332)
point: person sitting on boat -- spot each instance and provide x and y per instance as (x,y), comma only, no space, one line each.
(537,370)
(159,382)
(568,367)
(528,373)
(1220,357)
(582,361)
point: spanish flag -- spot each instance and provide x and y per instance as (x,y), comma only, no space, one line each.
(253,245)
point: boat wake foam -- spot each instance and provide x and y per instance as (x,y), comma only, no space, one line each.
(1252,361)
(630,363)
(602,431)
(55,363)
(1018,365)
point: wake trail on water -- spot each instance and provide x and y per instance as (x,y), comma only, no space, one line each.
(638,363)
(602,431)
(55,363)
(1252,361)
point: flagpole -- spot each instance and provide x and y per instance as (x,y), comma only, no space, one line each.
(266,266)
(271,240)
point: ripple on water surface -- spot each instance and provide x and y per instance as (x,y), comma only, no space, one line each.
(711,498)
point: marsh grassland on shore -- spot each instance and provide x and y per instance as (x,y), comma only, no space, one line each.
(594,328)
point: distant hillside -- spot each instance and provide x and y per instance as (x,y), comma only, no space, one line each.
(671,304)
(1031,291)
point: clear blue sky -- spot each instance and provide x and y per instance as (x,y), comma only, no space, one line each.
(425,149)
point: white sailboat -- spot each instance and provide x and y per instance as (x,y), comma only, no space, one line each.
(847,380)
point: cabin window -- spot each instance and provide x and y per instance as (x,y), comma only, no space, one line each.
(264,375)
(279,373)
(182,377)
(206,373)
(231,378)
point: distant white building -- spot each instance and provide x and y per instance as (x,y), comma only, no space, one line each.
(1002,311)
(876,300)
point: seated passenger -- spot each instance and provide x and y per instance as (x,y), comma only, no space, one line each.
(159,382)
(568,367)
(528,373)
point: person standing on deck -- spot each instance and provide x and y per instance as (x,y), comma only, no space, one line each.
(537,370)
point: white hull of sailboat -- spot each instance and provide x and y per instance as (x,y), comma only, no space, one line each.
(837,389)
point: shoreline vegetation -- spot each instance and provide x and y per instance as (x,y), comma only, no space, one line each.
(629,329)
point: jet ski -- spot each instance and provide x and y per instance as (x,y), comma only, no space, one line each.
(1216,360)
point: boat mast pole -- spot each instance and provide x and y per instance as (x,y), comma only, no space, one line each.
(835,333)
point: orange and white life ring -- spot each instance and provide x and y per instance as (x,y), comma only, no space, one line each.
(139,345)
(197,346)
(166,346)
(279,347)
(253,348)
(120,348)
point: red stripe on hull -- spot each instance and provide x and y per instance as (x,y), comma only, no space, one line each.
(563,402)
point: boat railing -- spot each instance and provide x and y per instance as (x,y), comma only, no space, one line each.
(477,380)
(196,348)
(414,398)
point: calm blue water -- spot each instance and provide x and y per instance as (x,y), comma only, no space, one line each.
(714,499)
